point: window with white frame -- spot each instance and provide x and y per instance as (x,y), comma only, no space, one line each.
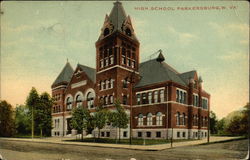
(149,97)
(155,96)
(106,61)
(106,100)
(102,86)
(149,119)
(178,116)
(159,119)
(107,84)
(111,99)
(138,98)
(196,100)
(181,96)
(79,99)
(140,120)
(144,98)
(204,103)
(90,100)
(162,95)
(102,63)
(123,60)
(111,60)
(133,64)
(69,103)
(183,119)
(111,83)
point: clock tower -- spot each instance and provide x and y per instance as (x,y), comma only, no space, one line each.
(117,57)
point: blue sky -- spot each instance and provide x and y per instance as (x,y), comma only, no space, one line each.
(38,37)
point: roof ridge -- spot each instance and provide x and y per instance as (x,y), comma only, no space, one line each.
(86,66)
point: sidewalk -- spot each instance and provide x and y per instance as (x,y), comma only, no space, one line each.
(61,140)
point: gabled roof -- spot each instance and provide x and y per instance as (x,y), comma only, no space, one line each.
(91,72)
(187,75)
(153,71)
(117,16)
(65,75)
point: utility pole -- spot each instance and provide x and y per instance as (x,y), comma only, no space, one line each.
(32,124)
(131,104)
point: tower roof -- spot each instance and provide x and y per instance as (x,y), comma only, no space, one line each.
(117,16)
(64,76)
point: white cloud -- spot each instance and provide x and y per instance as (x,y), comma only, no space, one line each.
(225,30)
(234,55)
(184,38)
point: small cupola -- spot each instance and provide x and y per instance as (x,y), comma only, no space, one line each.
(160,57)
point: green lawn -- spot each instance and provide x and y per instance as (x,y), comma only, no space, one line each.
(126,141)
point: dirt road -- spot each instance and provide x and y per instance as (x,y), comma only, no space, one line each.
(17,150)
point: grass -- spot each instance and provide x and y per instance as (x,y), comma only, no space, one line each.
(126,141)
(26,136)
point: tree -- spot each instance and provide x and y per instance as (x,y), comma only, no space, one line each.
(32,103)
(22,120)
(220,127)
(80,119)
(7,124)
(119,118)
(43,116)
(213,122)
(100,118)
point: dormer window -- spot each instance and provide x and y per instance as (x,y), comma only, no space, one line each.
(128,32)
(106,32)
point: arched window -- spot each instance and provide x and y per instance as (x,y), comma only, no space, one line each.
(69,103)
(111,83)
(149,119)
(155,96)
(150,97)
(140,120)
(111,60)
(103,84)
(106,32)
(159,119)
(79,99)
(111,99)
(183,119)
(162,95)
(107,84)
(90,100)
(106,100)
(178,116)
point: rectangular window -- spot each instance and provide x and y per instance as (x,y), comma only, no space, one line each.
(144,98)
(177,95)
(155,96)
(183,134)
(102,65)
(162,95)
(125,134)
(128,62)
(158,134)
(106,61)
(123,60)
(178,134)
(102,134)
(133,64)
(150,97)
(111,60)
(108,134)
(139,134)
(148,134)
(138,99)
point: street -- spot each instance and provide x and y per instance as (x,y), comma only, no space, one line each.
(18,150)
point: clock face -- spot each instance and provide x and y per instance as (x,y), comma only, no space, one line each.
(128,32)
